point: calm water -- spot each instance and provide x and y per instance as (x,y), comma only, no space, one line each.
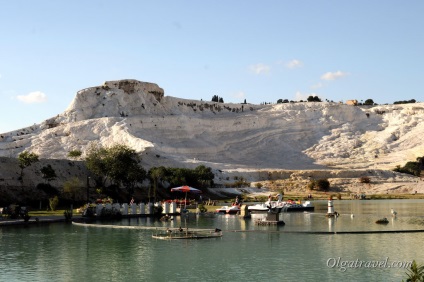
(246,252)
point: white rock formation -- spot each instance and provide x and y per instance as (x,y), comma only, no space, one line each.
(229,137)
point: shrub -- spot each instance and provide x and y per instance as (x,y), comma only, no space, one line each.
(157,210)
(110,213)
(369,102)
(405,101)
(75,154)
(415,272)
(311,185)
(413,168)
(68,215)
(314,99)
(53,202)
(365,179)
(322,184)
(202,208)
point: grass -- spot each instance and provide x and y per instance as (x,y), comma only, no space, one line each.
(50,213)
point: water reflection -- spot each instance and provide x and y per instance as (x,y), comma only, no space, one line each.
(252,253)
(331,223)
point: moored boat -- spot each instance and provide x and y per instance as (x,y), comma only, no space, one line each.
(234,209)
(277,206)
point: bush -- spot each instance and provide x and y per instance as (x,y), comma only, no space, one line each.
(53,202)
(369,102)
(75,154)
(405,101)
(68,215)
(157,210)
(202,208)
(365,179)
(314,99)
(110,213)
(413,168)
(322,184)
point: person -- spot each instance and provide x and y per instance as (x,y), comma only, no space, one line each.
(280,198)
(237,201)
(132,201)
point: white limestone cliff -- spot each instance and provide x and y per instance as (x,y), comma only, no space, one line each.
(178,132)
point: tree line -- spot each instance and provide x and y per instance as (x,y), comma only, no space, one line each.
(116,169)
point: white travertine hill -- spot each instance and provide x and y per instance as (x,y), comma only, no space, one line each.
(177,132)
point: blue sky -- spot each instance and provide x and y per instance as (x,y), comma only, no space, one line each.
(260,51)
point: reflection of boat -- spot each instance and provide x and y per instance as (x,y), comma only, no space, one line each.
(288,206)
(186,234)
(382,221)
(229,209)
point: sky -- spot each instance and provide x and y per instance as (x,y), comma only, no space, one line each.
(258,51)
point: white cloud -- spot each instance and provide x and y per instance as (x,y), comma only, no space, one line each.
(33,97)
(333,75)
(294,64)
(260,68)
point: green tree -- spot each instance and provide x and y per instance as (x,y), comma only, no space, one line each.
(177,176)
(204,176)
(73,188)
(413,168)
(314,99)
(53,202)
(26,159)
(48,173)
(156,174)
(118,164)
(369,102)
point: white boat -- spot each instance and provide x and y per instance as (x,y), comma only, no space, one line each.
(229,209)
(279,206)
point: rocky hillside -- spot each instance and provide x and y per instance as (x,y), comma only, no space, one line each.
(256,142)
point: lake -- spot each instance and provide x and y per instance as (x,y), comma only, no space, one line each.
(245,252)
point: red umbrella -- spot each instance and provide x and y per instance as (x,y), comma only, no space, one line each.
(186,189)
